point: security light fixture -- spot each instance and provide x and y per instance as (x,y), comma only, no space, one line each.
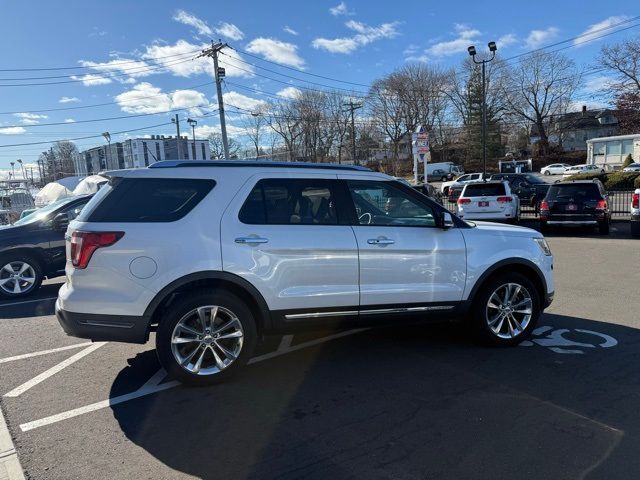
(472,50)
(492,46)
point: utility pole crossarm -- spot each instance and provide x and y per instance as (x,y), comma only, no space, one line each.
(219,74)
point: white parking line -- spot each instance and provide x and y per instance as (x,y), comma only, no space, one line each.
(27,301)
(53,370)
(43,352)
(153,385)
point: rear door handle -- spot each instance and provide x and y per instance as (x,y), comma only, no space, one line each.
(251,240)
(380,241)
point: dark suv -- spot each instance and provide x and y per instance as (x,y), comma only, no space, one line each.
(577,202)
(527,187)
(34,246)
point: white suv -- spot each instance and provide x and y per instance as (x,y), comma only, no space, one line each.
(488,201)
(212,255)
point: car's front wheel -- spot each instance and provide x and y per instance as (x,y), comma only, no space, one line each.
(206,337)
(506,309)
(547,172)
(20,275)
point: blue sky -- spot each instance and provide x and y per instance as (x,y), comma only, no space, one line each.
(135,57)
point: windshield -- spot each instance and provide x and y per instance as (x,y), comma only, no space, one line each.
(42,213)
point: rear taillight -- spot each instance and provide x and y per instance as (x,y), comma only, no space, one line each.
(544,209)
(601,205)
(463,201)
(635,200)
(544,205)
(505,199)
(83,244)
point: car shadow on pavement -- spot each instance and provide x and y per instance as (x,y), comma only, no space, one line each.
(408,402)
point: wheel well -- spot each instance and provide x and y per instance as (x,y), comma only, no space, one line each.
(212,283)
(31,252)
(522,269)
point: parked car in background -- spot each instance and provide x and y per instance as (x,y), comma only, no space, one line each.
(268,246)
(491,200)
(468,177)
(529,188)
(440,175)
(634,167)
(34,247)
(635,213)
(554,169)
(576,169)
(576,203)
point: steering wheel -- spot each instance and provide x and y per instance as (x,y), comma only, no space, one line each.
(365,214)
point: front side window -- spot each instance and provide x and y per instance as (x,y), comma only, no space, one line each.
(290,202)
(382,203)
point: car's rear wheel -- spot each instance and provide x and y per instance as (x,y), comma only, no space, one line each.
(506,309)
(547,172)
(206,337)
(20,275)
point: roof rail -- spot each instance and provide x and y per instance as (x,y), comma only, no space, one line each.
(253,163)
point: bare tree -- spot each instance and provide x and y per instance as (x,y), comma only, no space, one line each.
(217,148)
(284,121)
(64,153)
(388,112)
(540,86)
(255,125)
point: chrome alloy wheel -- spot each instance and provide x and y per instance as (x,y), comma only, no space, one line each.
(207,340)
(17,277)
(509,310)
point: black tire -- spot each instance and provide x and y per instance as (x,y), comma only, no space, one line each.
(8,259)
(183,307)
(603,228)
(443,179)
(547,172)
(479,313)
(635,229)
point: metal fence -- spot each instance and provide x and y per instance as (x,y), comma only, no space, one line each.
(619,202)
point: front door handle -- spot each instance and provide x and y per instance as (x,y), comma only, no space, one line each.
(251,240)
(380,241)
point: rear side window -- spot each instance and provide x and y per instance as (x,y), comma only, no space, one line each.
(576,192)
(485,190)
(149,199)
(288,202)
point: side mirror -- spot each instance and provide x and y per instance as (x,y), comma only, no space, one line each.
(60,222)
(447,220)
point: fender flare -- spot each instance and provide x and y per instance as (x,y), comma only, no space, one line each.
(211,275)
(505,263)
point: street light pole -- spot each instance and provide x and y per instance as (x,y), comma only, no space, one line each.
(193,124)
(12,172)
(107,137)
(472,52)
(176,120)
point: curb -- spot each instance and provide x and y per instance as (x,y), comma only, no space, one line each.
(10,468)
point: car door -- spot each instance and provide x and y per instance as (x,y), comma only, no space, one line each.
(405,259)
(288,236)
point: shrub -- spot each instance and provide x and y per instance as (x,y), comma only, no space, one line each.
(627,161)
(612,181)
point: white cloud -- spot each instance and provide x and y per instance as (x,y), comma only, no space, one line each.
(465,36)
(598,84)
(27,118)
(289,92)
(158,53)
(598,29)
(276,51)
(236,99)
(203,131)
(90,80)
(365,34)
(12,130)
(191,20)
(290,30)
(146,98)
(69,120)
(340,9)
(506,40)
(537,38)
(124,69)
(69,100)
(230,31)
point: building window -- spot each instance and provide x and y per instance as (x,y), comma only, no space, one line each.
(158,151)
(627,147)
(146,154)
(614,147)
(204,153)
(598,148)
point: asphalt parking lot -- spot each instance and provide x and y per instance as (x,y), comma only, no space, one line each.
(414,402)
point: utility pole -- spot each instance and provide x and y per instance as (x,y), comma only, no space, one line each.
(220,73)
(176,120)
(193,124)
(352,108)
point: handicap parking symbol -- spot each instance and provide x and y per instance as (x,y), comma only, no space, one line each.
(559,340)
